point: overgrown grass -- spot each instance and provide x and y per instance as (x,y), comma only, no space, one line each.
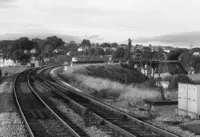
(105,86)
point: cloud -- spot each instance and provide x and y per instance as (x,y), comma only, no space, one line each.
(184,39)
(13,36)
(7,4)
(94,38)
(7,1)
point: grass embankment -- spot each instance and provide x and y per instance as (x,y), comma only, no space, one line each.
(120,82)
(12,70)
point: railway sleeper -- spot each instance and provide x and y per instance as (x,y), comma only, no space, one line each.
(113,118)
(106,113)
(39,113)
(33,114)
(62,134)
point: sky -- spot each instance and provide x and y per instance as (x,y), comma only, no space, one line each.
(99,20)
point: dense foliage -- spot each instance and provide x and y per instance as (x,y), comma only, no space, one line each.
(181,78)
(22,49)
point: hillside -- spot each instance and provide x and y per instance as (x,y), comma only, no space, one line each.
(121,73)
(107,81)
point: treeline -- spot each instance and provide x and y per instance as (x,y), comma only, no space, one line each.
(55,49)
(23,48)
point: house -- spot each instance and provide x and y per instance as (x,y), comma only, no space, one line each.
(59,49)
(7,62)
(146,49)
(196,53)
(68,53)
(132,49)
(114,48)
(55,51)
(105,48)
(26,51)
(138,47)
(81,49)
(33,51)
(46,59)
(168,49)
(154,48)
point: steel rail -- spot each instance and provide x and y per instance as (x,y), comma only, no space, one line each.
(146,125)
(47,106)
(124,132)
(19,106)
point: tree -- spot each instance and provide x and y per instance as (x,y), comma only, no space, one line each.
(108,51)
(5,47)
(118,54)
(100,51)
(20,49)
(40,43)
(114,45)
(157,55)
(54,41)
(174,54)
(0,73)
(92,51)
(147,55)
(17,55)
(129,45)
(86,43)
(127,55)
(105,45)
(23,43)
(195,63)
(185,59)
(71,46)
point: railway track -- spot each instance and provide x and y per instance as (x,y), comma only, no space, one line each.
(39,118)
(55,96)
(118,121)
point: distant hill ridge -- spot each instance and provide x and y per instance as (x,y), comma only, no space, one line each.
(184,39)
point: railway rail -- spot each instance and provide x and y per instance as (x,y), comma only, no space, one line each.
(39,118)
(119,121)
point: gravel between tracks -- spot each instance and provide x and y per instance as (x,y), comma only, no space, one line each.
(92,131)
(10,121)
(63,107)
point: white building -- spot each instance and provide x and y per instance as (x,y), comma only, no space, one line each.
(7,62)
(196,53)
(81,49)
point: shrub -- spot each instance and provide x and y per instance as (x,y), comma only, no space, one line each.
(0,73)
(150,83)
(173,85)
(168,78)
(6,73)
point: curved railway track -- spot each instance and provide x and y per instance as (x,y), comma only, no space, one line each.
(118,121)
(39,118)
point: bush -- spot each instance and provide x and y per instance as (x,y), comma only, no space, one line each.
(168,78)
(5,74)
(0,73)
(173,85)
(150,83)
